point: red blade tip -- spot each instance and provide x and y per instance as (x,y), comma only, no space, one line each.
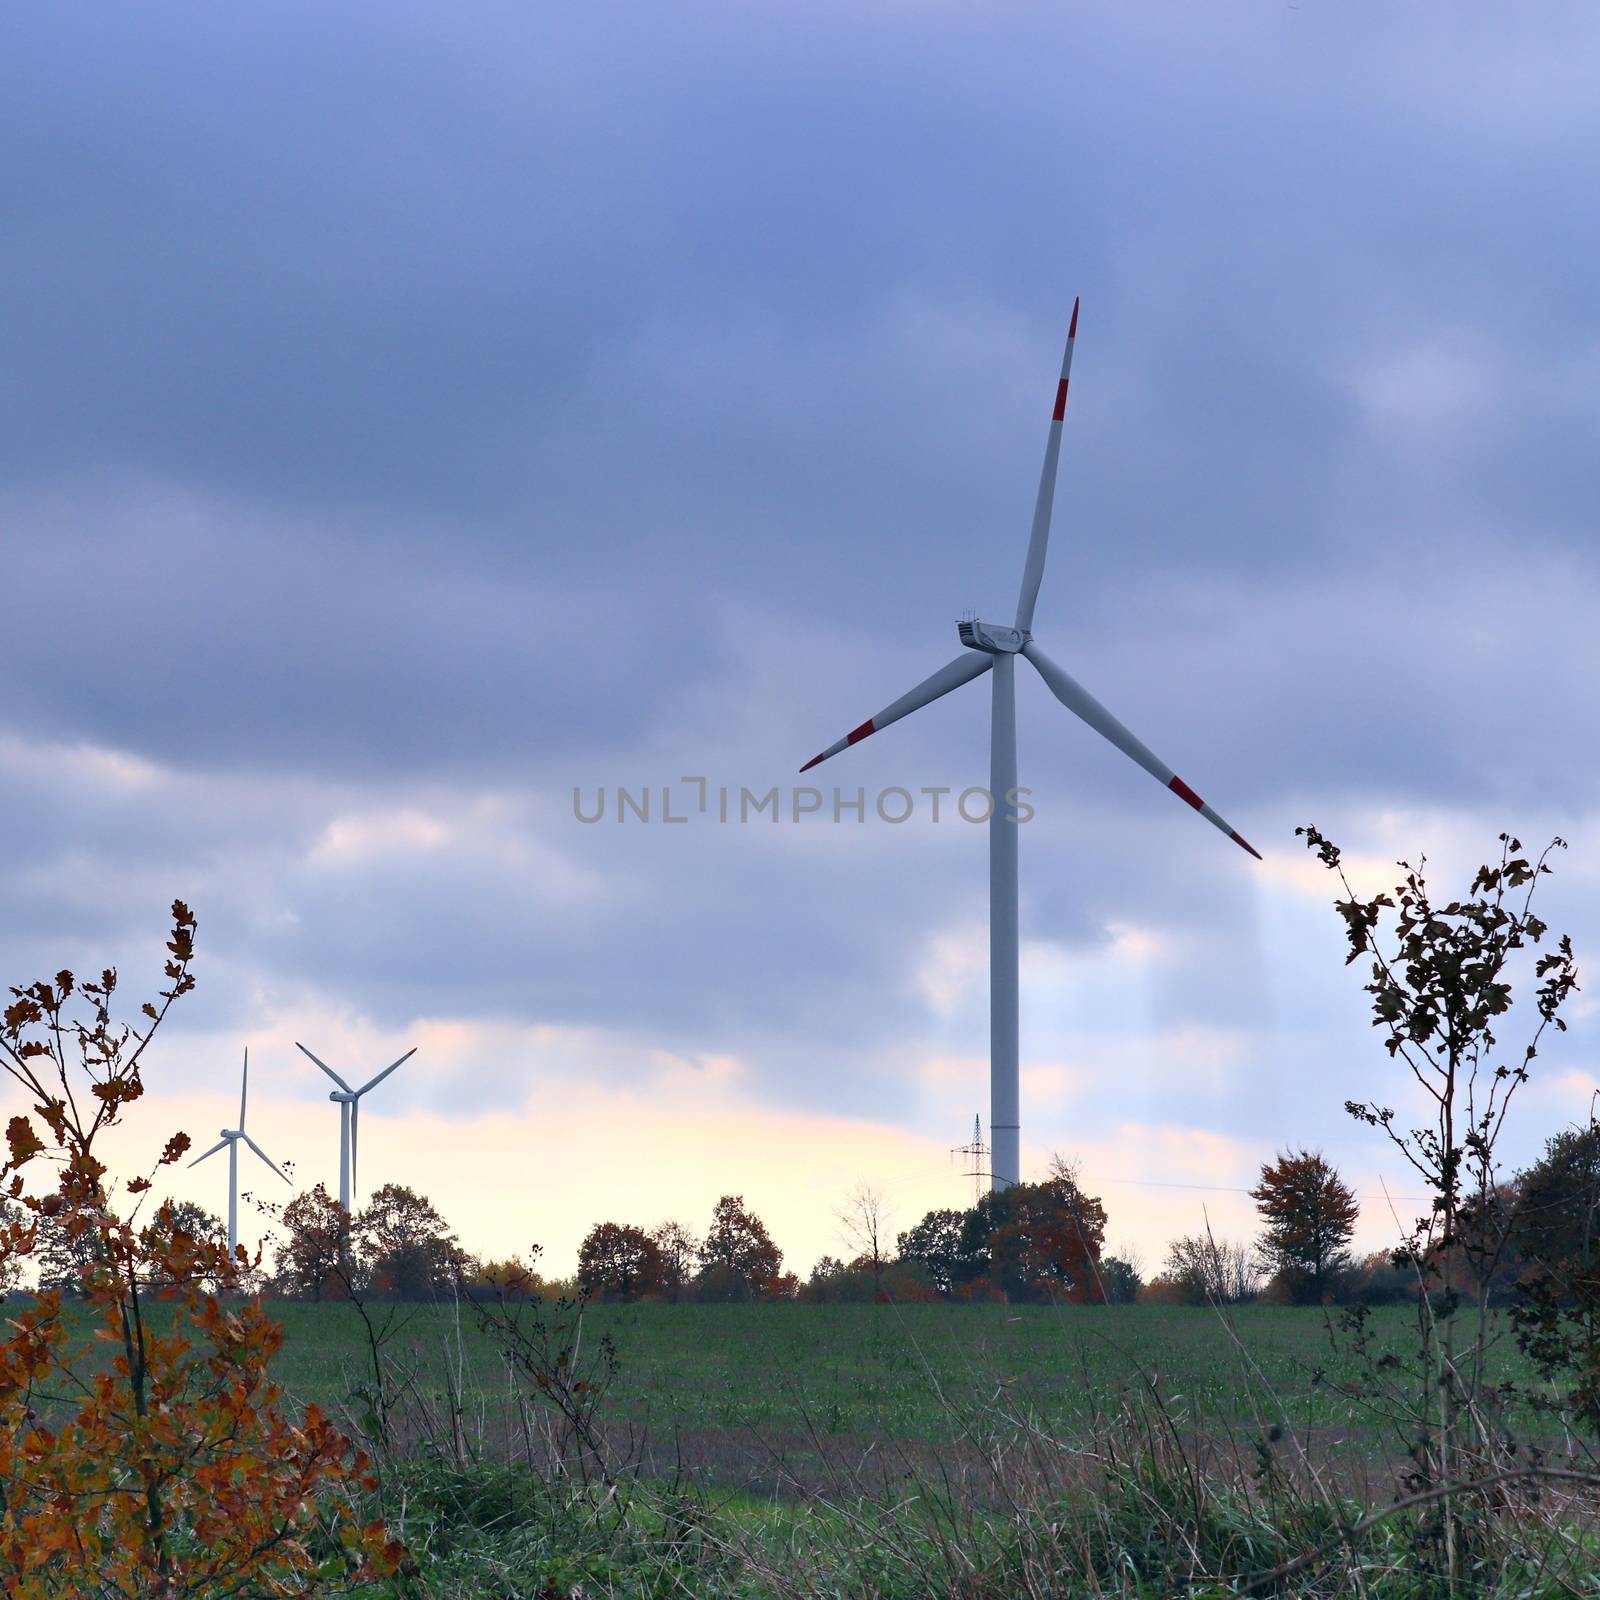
(1184,792)
(1244,844)
(811,763)
(1072,332)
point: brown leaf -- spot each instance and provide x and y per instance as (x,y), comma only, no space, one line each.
(25,1143)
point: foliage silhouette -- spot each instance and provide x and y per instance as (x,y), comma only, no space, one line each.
(1310,1217)
(173,1468)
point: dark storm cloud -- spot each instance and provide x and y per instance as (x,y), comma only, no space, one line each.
(451,272)
(441,412)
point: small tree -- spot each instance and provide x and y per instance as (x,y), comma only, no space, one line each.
(404,1248)
(316,1235)
(619,1262)
(1309,1218)
(934,1245)
(1121,1280)
(1440,982)
(738,1259)
(679,1251)
(864,1227)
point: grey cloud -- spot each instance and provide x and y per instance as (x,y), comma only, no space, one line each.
(401,410)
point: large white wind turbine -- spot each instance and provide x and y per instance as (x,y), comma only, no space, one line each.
(994,647)
(230,1138)
(349,1103)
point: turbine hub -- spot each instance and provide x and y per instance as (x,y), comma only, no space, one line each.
(993,638)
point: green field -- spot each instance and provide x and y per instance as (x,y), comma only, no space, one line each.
(886,1452)
(784,1452)
(892,1372)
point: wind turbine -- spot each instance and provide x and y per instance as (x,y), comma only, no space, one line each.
(230,1138)
(994,647)
(349,1103)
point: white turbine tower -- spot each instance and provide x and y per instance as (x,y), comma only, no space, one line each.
(349,1102)
(230,1138)
(994,647)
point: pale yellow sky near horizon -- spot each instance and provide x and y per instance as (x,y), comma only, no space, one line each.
(507,1181)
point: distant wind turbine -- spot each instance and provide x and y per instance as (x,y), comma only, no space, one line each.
(230,1138)
(994,647)
(349,1102)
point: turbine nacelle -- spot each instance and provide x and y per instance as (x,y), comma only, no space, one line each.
(993,638)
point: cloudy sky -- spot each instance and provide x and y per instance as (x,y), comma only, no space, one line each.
(412,416)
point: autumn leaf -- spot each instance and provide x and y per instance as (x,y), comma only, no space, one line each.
(25,1143)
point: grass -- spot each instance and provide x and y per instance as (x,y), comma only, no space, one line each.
(782,1452)
(927,1452)
(894,1372)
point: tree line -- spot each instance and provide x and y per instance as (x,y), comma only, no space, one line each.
(1034,1242)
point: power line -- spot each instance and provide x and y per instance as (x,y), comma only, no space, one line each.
(975,1152)
(1231,1189)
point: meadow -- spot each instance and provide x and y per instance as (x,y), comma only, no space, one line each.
(973,1451)
(890,1372)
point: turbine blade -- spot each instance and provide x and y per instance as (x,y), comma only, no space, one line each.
(374,1082)
(265,1157)
(1039,538)
(1081,703)
(966,666)
(221,1144)
(325,1067)
(355,1134)
(244,1085)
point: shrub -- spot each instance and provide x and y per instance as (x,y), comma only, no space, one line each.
(174,1468)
